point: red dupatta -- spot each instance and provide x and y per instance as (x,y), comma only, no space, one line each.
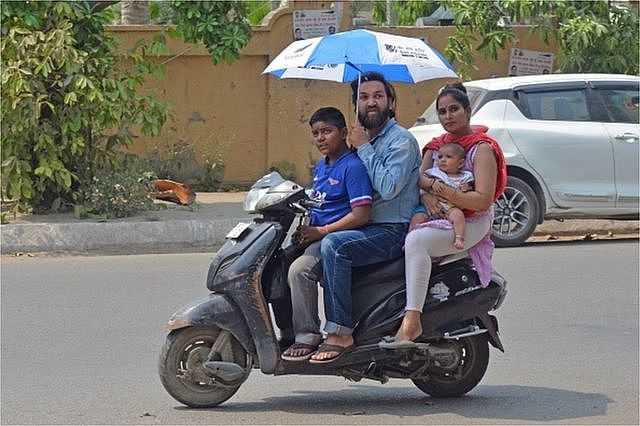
(467,142)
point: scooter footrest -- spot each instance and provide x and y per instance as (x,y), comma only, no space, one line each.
(471,330)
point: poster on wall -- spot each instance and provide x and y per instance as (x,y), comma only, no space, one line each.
(314,23)
(529,62)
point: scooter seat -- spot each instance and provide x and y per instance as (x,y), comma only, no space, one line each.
(391,270)
(394,269)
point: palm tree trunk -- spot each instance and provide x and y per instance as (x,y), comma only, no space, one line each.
(135,12)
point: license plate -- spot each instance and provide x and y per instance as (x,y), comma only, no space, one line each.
(237,230)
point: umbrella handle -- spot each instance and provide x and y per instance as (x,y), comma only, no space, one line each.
(358,98)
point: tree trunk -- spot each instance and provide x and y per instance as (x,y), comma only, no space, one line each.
(135,12)
(391,14)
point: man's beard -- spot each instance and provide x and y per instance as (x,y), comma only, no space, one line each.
(373,121)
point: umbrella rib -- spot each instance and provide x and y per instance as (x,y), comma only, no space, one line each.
(347,62)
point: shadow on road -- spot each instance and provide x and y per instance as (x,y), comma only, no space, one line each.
(506,402)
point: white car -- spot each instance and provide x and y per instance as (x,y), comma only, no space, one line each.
(570,142)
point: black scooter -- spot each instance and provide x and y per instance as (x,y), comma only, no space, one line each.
(214,342)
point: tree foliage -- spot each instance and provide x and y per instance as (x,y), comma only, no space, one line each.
(220,25)
(69,101)
(66,104)
(407,11)
(591,36)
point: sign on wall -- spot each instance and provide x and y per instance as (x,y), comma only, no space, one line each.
(529,62)
(314,23)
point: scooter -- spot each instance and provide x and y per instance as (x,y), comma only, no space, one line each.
(213,343)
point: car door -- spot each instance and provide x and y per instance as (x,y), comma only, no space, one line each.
(622,122)
(572,154)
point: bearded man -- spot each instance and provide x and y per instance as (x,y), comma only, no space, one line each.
(392,158)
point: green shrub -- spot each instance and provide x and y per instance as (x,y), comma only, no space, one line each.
(286,169)
(115,194)
(179,162)
(66,105)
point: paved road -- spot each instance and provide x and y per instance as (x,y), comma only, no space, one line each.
(81,335)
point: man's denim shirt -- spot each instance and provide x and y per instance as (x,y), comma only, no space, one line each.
(392,160)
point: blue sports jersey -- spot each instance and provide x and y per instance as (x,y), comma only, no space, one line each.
(339,187)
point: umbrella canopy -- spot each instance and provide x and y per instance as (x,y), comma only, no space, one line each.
(343,56)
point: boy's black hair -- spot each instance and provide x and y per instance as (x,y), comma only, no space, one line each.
(329,115)
(373,76)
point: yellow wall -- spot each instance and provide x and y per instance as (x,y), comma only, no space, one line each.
(258,119)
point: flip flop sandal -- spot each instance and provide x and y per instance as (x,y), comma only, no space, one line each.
(326,347)
(296,347)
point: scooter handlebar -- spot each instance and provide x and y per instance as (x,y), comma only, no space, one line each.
(305,205)
(309,204)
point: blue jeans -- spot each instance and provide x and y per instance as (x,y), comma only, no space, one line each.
(342,250)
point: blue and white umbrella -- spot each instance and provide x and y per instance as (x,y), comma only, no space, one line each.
(343,56)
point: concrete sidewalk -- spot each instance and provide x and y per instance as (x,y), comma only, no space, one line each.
(199,228)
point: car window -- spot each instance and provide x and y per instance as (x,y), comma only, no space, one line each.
(430,115)
(565,105)
(620,104)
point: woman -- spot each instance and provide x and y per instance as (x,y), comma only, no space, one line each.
(426,241)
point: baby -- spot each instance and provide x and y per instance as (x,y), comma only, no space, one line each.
(448,169)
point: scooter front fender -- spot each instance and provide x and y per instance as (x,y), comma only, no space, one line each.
(213,310)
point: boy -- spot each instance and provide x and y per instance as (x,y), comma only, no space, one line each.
(341,184)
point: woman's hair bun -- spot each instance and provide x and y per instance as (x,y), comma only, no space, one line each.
(457,85)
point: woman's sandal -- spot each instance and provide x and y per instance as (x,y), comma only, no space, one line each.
(288,356)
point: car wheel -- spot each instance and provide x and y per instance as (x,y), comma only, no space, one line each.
(516,214)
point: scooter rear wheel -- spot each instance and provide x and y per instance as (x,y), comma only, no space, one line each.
(181,365)
(474,360)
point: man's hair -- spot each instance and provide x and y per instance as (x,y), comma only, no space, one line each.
(457,91)
(373,76)
(329,115)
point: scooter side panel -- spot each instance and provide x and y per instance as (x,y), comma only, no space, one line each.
(213,310)
(230,260)
(379,304)
(237,270)
(449,314)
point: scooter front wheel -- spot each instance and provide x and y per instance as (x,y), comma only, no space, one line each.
(474,359)
(182,370)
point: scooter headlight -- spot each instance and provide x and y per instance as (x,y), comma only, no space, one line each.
(252,198)
(269,191)
(260,189)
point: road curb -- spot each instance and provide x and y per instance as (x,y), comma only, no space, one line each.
(587,227)
(114,236)
(185,235)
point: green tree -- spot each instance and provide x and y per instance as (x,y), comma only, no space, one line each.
(66,106)
(221,25)
(407,11)
(257,10)
(591,36)
(69,101)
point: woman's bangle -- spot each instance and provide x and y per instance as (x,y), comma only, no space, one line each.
(420,209)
